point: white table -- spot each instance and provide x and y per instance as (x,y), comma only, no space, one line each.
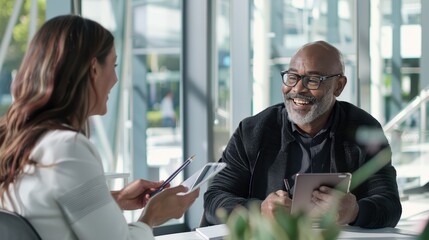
(354,233)
(415,214)
(347,233)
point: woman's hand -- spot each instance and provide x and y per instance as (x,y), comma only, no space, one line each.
(167,204)
(136,194)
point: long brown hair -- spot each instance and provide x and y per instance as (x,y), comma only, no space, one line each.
(51,89)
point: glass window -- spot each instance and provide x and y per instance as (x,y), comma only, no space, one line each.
(280,27)
(156,81)
(395,64)
(221,77)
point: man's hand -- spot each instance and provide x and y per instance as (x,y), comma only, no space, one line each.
(273,201)
(346,205)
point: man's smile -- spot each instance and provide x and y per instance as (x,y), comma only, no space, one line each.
(300,101)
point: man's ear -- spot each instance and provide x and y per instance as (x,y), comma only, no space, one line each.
(341,83)
(93,71)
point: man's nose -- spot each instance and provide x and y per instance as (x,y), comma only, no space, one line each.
(299,87)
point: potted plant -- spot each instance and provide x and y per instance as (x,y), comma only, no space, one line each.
(250,224)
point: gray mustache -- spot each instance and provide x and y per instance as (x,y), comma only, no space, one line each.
(310,99)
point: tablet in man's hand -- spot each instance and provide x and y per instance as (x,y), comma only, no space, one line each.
(306,183)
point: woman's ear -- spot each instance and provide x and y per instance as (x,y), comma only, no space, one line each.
(341,83)
(93,71)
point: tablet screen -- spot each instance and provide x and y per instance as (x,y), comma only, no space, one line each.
(306,183)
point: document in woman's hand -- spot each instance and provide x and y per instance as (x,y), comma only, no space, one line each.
(203,175)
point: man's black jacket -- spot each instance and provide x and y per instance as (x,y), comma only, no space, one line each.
(257,156)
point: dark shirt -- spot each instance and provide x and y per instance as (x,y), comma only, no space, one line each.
(309,154)
(258,156)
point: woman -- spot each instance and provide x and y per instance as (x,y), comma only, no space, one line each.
(49,170)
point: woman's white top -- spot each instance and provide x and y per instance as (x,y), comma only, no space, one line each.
(68,197)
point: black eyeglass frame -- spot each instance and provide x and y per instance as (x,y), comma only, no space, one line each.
(305,79)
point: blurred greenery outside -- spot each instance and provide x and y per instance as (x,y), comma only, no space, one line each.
(154,118)
(18,42)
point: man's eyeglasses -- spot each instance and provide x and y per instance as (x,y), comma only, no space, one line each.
(309,82)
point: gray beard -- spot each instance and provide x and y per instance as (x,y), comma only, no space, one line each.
(317,109)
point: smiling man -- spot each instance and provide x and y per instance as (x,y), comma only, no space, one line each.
(311,132)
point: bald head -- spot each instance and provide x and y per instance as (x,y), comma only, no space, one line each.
(322,54)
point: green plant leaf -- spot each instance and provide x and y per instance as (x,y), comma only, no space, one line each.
(425,234)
